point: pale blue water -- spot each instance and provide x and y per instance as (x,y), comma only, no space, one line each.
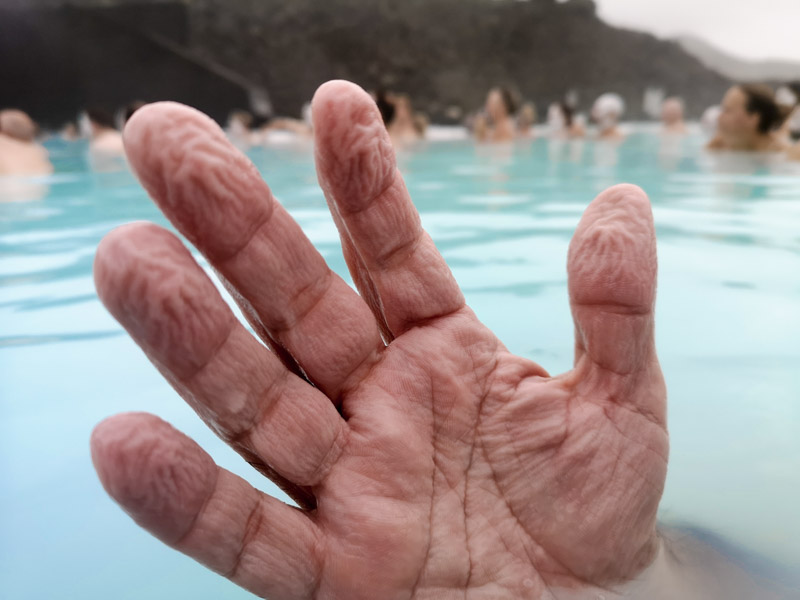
(728,331)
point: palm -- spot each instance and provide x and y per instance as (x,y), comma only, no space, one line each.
(458,468)
(508,480)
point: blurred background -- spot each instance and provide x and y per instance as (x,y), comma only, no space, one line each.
(268,56)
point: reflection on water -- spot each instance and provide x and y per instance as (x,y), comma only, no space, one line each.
(727,331)
(22,189)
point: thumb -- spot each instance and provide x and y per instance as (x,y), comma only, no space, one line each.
(612,282)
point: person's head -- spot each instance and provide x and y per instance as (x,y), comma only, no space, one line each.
(70,131)
(672,111)
(567,112)
(385,106)
(500,104)
(607,110)
(402,107)
(526,118)
(240,121)
(17,124)
(100,118)
(749,111)
(94,121)
(129,109)
(559,115)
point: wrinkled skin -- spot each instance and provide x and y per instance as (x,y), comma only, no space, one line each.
(427,461)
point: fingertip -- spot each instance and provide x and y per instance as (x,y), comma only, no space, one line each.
(333,96)
(335,87)
(114,242)
(139,130)
(155,117)
(623,190)
(622,212)
(624,198)
(354,154)
(155,132)
(159,476)
(612,255)
(108,260)
(110,442)
(115,252)
(107,434)
(150,283)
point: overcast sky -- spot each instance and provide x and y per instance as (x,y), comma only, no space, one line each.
(750,29)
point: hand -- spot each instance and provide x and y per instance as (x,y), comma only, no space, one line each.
(427,461)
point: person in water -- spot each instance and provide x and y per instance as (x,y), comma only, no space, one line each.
(497,122)
(563,122)
(794,152)
(788,97)
(283,129)
(106,150)
(607,112)
(240,129)
(526,119)
(20,154)
(426,460)
(403,126)
(749,121)
(672,116)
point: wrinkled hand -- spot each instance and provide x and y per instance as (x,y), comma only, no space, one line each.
(427,461)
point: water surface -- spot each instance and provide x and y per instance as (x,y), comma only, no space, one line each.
(727,319)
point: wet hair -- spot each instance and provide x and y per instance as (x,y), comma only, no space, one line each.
(761,101)
(385,106)
(244,117)
(260,121)
(567,111)
(100,117)
(131,108)
(508,99)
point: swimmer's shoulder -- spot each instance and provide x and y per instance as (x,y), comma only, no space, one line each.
(108,142)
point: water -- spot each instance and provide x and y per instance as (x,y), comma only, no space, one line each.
(727,320)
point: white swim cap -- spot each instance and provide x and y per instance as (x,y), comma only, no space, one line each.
(608,106)
(785,96)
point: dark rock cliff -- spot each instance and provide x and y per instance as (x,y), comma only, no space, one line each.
(444,53)
(55,62)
